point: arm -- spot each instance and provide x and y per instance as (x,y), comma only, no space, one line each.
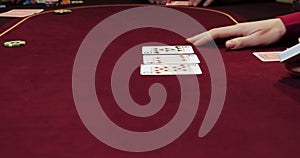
(292,24)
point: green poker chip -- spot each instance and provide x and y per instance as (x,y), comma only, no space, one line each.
(16,43)
(62,11)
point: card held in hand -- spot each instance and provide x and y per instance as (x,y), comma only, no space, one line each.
(290,55)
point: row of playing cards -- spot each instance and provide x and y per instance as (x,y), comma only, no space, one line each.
(169,60)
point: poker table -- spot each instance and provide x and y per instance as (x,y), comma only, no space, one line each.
(62,93)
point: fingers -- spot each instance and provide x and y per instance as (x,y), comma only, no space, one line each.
(217,33)
(194,2)
(248,34)
(255,39)
(191,2)
(158,1)
(207,2)
(242,42)
(225,32)
(299,39)
(200,39)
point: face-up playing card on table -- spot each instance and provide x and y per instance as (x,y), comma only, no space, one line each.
(20,13)
(183,49)
(267,56)
(174,69)
(170,59)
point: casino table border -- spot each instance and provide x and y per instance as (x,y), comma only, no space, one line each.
(16,24)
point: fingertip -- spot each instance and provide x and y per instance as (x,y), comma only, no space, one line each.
(188,40)
(231,45)
(195,4)
(205,4)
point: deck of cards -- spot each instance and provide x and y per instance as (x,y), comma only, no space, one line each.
(169,60)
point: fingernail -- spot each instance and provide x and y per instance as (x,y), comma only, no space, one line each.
(230,44)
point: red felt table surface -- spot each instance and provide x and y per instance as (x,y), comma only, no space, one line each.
(260,117)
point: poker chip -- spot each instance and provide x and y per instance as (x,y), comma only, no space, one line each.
(62,11)
(76,2)
(16,43)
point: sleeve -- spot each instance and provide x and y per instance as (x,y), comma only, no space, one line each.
(292,24)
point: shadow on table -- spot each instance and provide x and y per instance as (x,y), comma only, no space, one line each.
(290,86)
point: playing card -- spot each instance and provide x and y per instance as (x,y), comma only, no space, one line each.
(20,12)
(184,49)
(181,3)
(170,59)
(174,69)
(267,56)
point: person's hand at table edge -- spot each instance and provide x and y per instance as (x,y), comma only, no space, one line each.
(248,34)
(158,1)
(196,2)
(191,2)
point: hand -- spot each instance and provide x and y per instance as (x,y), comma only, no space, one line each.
(196,2)
(158,1)
(249,34)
